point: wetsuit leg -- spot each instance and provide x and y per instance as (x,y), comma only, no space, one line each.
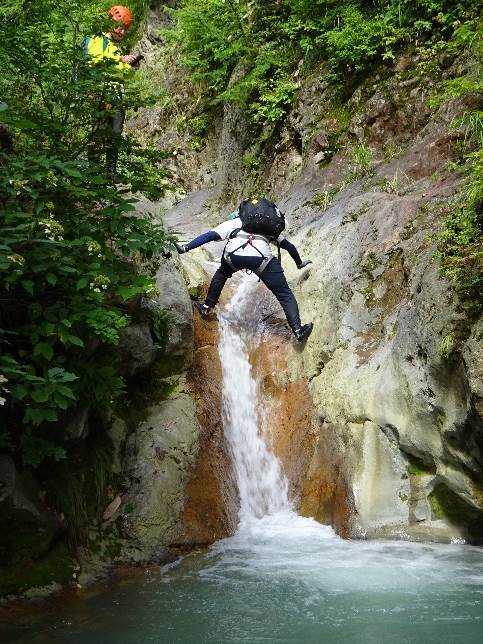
(217,284)
(116,124)
(274,278)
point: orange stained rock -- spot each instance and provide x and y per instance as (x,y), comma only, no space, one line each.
(212,500)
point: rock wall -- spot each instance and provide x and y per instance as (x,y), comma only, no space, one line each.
(397,420)
(179,490)
(162,449)
(211,507)
(378,427)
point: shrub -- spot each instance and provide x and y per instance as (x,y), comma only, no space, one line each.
(73,249)
(247,51)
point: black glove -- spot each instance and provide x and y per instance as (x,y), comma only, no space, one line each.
(304,264)
(137,61)
(181,248)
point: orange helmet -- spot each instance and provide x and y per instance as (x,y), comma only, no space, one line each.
(121,14)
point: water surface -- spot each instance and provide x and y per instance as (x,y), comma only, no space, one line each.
(281,577)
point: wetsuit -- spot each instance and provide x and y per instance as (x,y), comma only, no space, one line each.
(245,251)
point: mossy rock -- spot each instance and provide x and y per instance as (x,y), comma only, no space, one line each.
(151,387)
(26,537)
(57,566)
(417,467)
(447,505)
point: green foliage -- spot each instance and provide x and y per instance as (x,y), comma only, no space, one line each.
(72,245)
(252,51)
(447,346)
(79,489)
(361,39)
(460,241)
(362,156)
(274,101)
(323,200)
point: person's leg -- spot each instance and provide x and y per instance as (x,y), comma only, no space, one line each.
(217,284)
(274,278)
(116,126)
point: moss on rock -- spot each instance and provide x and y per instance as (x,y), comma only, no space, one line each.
(55,567)
(447,505)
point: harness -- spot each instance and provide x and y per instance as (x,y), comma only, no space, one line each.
(249,242)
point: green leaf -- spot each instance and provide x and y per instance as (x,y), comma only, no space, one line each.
(52,279)
(36,415)
(73,339)
(20,392)
(57,374)
(44,350)
(68,169)
(60,402)
(28,286)
(82,283)
(40,395)
(66,392)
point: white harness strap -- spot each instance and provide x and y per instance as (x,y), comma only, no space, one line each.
(249,237)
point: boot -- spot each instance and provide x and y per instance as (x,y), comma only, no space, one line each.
(303,333)
(204,310)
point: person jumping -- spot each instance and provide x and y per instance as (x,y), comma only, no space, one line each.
(256,224)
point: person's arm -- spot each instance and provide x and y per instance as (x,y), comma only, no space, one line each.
(222,231)
(204,238)
(294,254)
(123,62)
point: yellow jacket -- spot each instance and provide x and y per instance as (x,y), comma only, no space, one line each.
(100,48)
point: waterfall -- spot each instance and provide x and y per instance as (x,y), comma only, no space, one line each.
(263,488)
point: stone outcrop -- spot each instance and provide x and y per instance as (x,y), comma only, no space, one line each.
(174,299)
(211,507)
(178,488)
(397,420)
(377,425)
(137,348)
(159,454)
(31,555)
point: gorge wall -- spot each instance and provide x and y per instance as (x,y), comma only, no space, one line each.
(163,450)
(377,420)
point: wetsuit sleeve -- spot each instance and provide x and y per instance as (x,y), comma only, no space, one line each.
(204,238)
(291,250)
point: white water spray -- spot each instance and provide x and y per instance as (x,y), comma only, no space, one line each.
(263,488)
(282,577)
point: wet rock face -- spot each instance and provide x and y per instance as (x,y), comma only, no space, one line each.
(287,414)
(378,376)
(211,508)
(382,393)
(379,433)
(158,457)
(179,489)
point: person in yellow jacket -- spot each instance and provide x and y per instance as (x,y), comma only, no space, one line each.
(102,48)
